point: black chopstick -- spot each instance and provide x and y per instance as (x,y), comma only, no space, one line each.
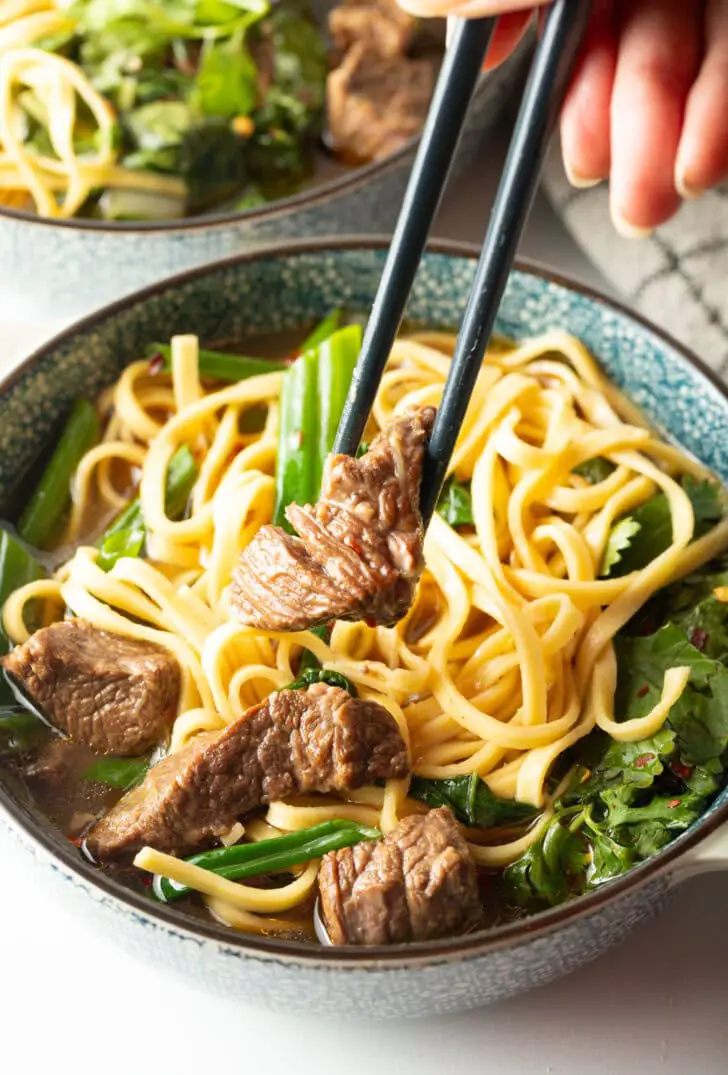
(543,96)
(459,74)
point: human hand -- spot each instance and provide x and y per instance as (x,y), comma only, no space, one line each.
(648,105)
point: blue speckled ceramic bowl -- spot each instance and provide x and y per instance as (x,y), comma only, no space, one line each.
(69,268)
(280,289)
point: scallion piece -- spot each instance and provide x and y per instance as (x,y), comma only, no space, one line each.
(322,331)
(218,366)
(337,359)
(43,512)
(268,856)
(297,465)
(313,396)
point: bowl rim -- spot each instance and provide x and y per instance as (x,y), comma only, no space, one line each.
(421,953)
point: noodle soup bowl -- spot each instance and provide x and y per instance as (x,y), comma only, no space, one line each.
(273,291)
(67,268)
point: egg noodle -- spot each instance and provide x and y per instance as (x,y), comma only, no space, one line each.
(55,92)
(505,659)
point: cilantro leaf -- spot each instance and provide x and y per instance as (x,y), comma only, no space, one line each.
(620,539)
(655,523)
(471,801)
(455,504)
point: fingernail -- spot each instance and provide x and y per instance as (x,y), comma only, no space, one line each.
(686,192)
(628,230)
(579,181)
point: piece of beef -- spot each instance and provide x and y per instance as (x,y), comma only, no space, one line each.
(375,103)
(117,695)
(296,741)
(380,25)
(418,883)
(359,550)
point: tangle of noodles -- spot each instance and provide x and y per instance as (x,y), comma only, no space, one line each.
(505,659)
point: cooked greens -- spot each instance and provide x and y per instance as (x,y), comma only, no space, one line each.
(127,534)
(222,99)
(471,801)
(627,800)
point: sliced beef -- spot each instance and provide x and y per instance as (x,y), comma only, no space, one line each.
(418,883)
(376,103)
(117,695)
(380,25)
(359,553)
(317,740)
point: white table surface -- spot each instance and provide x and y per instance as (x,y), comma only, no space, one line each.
(72,1002)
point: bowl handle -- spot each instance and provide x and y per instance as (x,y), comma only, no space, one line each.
(709,855)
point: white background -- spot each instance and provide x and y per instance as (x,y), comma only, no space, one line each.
(72,1002)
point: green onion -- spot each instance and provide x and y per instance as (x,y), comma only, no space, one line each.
(52,495)
(322,331)
(218,366)
(268,856)
(337,359)
(313,397)
(297,465)
(127,534)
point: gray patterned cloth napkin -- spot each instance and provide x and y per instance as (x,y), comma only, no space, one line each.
(678,277)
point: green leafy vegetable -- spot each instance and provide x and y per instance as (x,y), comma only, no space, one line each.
(594,470)
(700,717)
(127,534)
(122,773)
(546,873)
(157,131)
(455,504)
(322,675)
(626,801)
(20,731)
(471,801)
(308,659)
(267,856)
(653,533)
(620,539)
(212,162)
(227,80)
(43,512)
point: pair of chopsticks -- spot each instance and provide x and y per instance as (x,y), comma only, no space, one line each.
(554,59)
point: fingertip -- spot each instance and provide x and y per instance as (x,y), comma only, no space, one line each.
(625,228)
(580,182)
